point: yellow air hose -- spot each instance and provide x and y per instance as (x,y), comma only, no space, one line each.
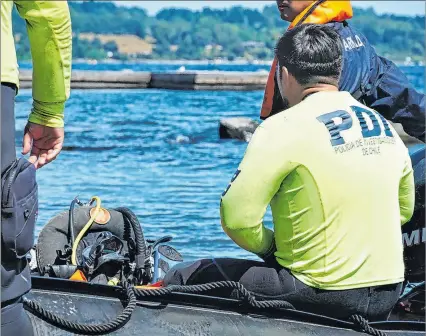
(85,228)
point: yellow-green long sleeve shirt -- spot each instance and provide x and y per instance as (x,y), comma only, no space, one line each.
(340,184)
(49,31)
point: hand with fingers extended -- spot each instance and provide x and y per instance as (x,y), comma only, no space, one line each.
(44,142)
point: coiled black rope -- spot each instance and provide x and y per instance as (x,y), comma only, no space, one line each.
(133,293)
(86,329)
(360,322)
(247,297)
(363,325)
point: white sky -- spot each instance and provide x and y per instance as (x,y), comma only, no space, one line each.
(397,7)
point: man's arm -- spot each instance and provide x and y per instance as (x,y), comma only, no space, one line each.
(406,192)
(244,202)
(49,31)
(396,99)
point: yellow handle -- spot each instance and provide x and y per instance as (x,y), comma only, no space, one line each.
(85,228)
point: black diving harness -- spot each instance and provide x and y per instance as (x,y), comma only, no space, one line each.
(108,249)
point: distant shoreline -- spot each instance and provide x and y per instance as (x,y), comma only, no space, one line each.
(203,62)
(196,62)
(173,62)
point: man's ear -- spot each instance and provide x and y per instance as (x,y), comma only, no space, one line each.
(284,74)
(289,80)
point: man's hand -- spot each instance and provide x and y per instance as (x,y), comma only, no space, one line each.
(44,142)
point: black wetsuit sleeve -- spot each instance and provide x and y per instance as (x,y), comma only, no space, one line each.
(396,99)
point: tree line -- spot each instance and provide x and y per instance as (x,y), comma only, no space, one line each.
(232,33)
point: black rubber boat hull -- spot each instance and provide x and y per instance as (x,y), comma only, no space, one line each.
(180,314)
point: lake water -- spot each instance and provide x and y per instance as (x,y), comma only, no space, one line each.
(157,152)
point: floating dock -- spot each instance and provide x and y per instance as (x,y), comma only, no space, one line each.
(197,80)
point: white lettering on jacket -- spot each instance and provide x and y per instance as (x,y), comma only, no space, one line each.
(350,44)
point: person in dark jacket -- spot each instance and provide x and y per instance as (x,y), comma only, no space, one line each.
(50,36)
(370,78)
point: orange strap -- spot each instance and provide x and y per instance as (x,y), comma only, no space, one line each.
(78,276)
(323,13)
(268,98)
(155,285)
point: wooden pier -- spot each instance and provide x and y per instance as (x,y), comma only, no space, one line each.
(197,80)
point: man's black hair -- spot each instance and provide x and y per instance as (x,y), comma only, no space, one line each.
(312,53)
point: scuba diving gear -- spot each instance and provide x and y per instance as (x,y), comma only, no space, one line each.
(165,257)
(85,228)
(110,243)
(142,268)
(115,249)
(108,249)
(67,253)
(59,271)
(71,220)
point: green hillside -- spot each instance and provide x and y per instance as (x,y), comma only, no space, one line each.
(208,34)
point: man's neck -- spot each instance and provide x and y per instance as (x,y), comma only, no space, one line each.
(318,88)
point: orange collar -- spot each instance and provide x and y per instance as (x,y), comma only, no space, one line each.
(326,12)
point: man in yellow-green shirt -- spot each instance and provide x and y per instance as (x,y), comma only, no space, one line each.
(49,31)
(339,182)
